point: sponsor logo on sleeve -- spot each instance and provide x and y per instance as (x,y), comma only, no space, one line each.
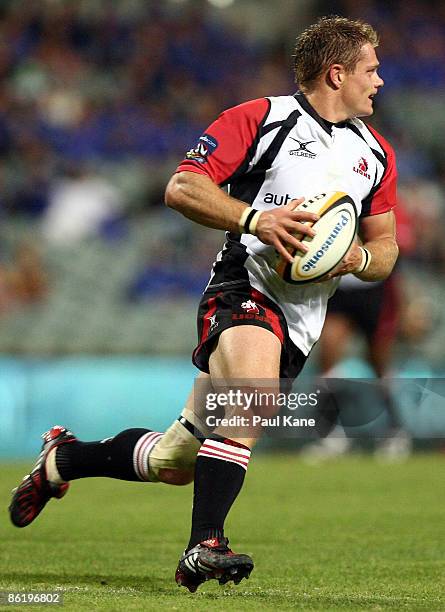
(206,146)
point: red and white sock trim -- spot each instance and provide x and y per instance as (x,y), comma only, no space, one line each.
(141,452)
(225,452)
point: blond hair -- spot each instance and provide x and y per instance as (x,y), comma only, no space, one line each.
(331,40)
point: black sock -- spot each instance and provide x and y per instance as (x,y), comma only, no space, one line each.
(219,475)
(115,457)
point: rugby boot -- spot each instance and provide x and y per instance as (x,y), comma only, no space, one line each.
(212,559)
(35,490)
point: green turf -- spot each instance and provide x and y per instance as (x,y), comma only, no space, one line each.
(350,535)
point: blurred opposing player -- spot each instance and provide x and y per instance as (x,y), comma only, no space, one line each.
(252,325)
(373,311)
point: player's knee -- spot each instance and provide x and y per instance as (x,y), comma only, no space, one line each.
(176,477)
(172,459)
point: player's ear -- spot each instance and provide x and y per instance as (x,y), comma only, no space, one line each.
(335,76)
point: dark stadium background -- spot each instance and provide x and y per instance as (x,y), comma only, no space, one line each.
(99,282)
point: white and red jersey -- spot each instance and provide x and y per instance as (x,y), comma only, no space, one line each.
(272,150)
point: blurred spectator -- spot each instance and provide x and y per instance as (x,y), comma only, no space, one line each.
(372,312)
(167,269)
(108,82)
(79,206)
(424,201)
(112,82)
(23,280)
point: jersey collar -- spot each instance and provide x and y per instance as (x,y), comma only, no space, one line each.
(325,124)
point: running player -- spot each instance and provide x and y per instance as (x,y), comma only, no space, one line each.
(270,152)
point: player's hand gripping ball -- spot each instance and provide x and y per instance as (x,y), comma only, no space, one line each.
(335,232)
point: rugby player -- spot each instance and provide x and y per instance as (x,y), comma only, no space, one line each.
(269,152)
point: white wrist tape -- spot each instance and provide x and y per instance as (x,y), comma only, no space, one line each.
(249,220)
(366,260)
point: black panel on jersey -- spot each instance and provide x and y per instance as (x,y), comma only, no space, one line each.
(231,266)
(381,157)
(247,187)
(366,203)
(272,126)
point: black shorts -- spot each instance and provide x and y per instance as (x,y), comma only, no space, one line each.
(374,310)
(237,303)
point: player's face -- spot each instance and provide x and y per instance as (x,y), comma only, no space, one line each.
(360,86)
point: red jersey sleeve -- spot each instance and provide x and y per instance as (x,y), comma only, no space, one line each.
(229,143)
(384,197)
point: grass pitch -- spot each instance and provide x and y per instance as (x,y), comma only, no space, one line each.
(352,534)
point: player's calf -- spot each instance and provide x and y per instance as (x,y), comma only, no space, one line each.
(176,477)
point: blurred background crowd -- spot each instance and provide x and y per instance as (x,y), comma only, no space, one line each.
(99,101)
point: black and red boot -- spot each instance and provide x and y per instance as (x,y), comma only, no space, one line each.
(212,559)
(35,490)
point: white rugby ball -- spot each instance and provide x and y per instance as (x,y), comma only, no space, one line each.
(336,230)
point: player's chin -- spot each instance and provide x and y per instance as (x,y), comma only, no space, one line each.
(370,107)
(366,112)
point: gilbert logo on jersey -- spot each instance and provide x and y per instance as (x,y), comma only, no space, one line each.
(362,168)
(302,150)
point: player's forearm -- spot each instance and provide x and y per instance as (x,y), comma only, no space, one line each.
(198,198)
(384,253)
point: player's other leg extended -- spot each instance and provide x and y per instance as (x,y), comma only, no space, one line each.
(248,354)
(126,456)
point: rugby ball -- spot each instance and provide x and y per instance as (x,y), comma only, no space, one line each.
(336,230)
